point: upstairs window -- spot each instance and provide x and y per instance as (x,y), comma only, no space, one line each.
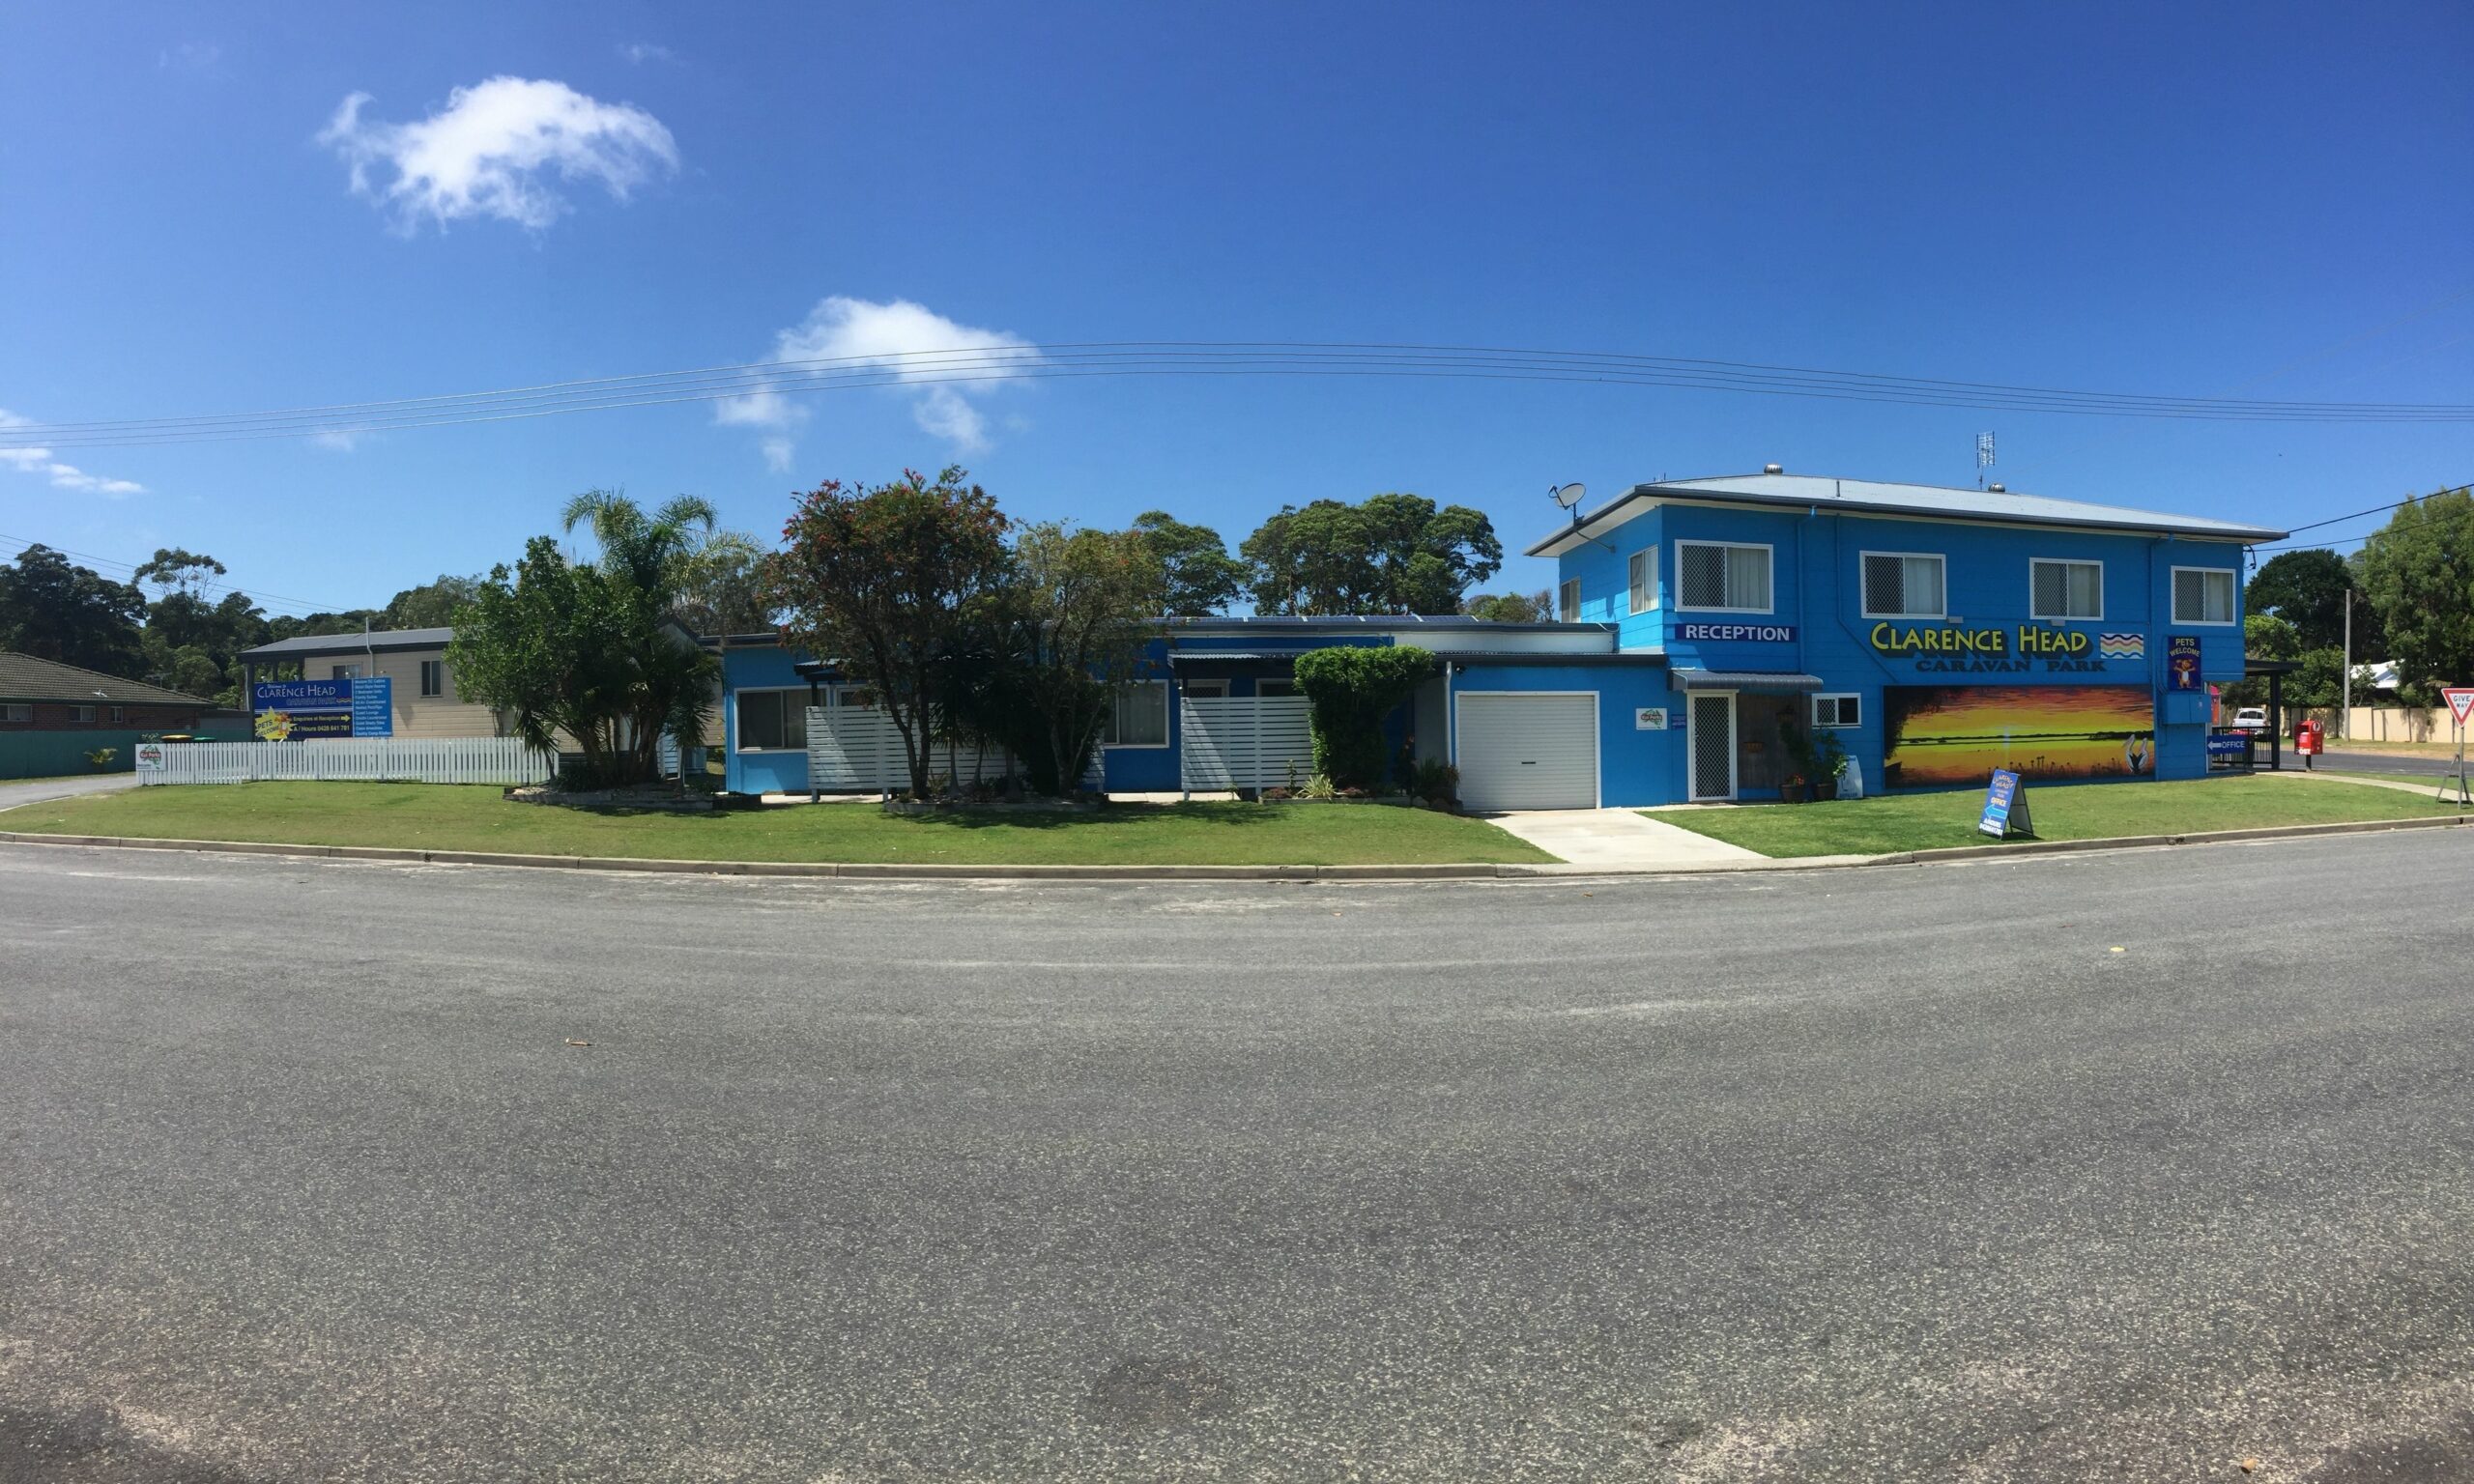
(2066,590)
(2202,595)
(1720,577)
(1569,601)
(1641,575)
(1904,584)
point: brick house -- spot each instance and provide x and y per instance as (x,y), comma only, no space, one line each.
(46,696)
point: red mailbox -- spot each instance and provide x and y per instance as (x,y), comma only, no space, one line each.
(2308,739)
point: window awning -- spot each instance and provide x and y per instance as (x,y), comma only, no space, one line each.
(1767,681)
(1212,663)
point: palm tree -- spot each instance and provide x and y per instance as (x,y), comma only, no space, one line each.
(654,555)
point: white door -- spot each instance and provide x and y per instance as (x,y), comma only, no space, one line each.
(1712,744)
(1528,750)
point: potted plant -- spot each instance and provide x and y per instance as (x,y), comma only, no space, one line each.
(1828,753)
(1804,772)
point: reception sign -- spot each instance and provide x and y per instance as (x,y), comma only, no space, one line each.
(1938,736)
(291,711)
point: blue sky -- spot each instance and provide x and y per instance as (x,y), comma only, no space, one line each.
(2268,202)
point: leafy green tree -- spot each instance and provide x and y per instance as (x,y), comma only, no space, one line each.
(2307,589)
(892,581)
(2320,683)
(1089,604)
(721,591)
(433,604)
(2265,637)
(1348,692)
(54,610)
(2418,573)
(1198,576)
(1512,607)
(1393,553)
(589,649)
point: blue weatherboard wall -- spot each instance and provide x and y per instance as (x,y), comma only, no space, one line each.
(1816,626)
(1634,766)
(765,667)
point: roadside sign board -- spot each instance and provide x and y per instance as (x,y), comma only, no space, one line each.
(291,709)
(2460,701)
(2005,807)
(150,757)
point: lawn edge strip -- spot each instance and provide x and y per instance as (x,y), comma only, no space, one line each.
(896,871)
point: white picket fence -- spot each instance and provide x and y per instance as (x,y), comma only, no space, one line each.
(858,749)
(353,759)
(1243,742)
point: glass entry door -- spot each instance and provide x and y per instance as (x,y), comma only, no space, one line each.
(1712,744)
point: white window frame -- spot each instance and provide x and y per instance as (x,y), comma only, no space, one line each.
(1167,722)
(738,720)
(1843,699)
(1641,581)
(1568,600)
(2034,562)
(120,714)
(81,713)
(1768,553)
(430,667)
(1943,612)
(2173,598)
(17,711)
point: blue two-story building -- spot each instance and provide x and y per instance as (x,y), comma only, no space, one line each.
(1936,632)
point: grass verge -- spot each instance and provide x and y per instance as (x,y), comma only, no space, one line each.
(1930,821)
(436,816)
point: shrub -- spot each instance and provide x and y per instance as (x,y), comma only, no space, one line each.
(1434,780)
(102,758)
(1318,787)
(1349,693)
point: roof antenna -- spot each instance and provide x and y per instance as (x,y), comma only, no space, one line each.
(1983,457)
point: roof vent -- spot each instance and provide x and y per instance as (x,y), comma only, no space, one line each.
(1772,468)
(1998,489)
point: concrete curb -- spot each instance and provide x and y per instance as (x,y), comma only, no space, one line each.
(883,872)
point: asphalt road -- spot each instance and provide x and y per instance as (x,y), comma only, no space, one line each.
(2123,1166)
(2385,762)
(13,793)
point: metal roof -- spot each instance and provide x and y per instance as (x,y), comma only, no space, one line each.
(1687,678)
(354,642)
(1926,501)
(1259,621)
(24,678)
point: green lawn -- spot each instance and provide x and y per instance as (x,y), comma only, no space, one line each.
(430,816)
(1926,821)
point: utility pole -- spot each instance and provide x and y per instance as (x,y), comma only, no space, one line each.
(2345,682)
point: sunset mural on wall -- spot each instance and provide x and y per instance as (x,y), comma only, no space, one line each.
(1938,736)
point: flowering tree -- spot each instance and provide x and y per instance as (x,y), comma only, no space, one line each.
(888,581)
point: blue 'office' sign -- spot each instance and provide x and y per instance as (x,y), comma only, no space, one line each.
(2005,807)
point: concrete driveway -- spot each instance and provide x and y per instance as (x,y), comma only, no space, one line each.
(1618,840)
(12,794)
(2114,1166)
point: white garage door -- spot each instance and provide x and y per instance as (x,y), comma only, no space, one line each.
(1528,751)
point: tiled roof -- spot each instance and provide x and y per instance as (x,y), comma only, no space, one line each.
(23,677)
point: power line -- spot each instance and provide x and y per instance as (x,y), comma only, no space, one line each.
(303,607)
(983,364)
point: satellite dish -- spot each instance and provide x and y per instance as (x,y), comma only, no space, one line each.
(1569,494)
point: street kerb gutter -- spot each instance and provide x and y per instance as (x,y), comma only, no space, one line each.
(1462,871)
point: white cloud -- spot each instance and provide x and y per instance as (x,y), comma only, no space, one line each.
(641,52)
(492,149)
(65,477)
(341,440)
(857,334)
(189,56)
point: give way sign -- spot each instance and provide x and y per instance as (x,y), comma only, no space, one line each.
(2460,701)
